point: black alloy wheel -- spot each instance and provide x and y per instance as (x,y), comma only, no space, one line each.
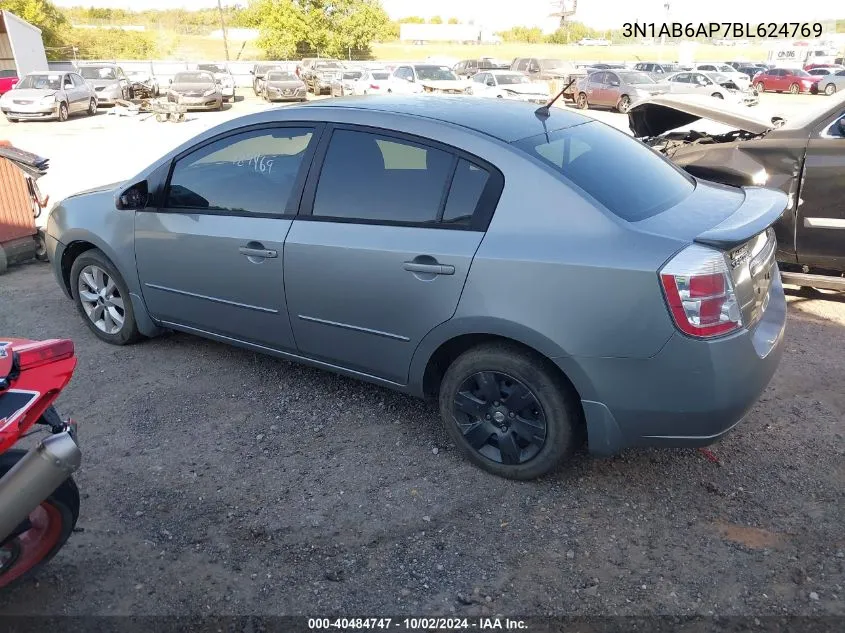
(500,418)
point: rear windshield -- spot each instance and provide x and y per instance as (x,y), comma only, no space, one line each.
(628,178)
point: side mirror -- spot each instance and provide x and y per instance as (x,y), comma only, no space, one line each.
(133,198)
(841,125)
(251,72)
(533,70)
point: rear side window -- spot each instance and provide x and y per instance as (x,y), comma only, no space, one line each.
(629,179)
(468,184)
(375,178)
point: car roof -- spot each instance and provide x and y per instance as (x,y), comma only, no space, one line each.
(503,119)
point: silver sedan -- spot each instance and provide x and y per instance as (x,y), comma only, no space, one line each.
(716,85)
(49,95)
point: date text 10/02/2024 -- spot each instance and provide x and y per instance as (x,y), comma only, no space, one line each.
(418,624)
(739,30)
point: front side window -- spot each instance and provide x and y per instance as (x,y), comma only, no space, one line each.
(377,178)
(629,179)
(253,172)
(68,83)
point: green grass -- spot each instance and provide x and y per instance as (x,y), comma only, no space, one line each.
(510,50)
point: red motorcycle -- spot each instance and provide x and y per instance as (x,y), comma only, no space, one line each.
(39,501)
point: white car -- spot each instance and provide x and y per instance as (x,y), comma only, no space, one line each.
(223,77)
(374,81)
(49,95)
(508,84)
(716,85)
(417,78)
(740,79)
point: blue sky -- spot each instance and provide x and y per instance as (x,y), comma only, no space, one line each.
(597,13)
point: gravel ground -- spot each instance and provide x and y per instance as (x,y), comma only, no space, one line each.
(217,481)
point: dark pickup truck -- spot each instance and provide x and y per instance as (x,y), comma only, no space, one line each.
(803,156)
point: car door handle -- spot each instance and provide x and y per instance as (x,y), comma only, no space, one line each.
(257,252)
(433,269)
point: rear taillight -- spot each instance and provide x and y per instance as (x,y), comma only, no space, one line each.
(37,354)
(700,293)
(373,86)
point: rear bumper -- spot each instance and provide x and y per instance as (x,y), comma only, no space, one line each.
(689,394)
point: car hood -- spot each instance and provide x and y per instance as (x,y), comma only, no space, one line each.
(102,83)
(656,115)
(444,84)
(192,87)
(29,93)
(526,89)
(286,83)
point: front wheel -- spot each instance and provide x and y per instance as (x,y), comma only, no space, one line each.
(760,87)
(829,89)
(717,95)
(794,89)
(102,298)
(508,412)
(63,112)
(581,101)
(51,524)
(92,107)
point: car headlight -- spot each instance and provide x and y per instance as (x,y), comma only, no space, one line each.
(760,178)
(209,92)
(47,100)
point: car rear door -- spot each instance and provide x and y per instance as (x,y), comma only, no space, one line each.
(380,251)
(820,230)
(210,255)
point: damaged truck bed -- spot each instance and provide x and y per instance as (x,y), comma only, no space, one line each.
(803,157)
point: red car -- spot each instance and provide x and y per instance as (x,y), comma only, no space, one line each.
(794,80)
(833,67)
(8,79)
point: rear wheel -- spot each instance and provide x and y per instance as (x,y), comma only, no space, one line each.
(624,104)
(508,412)
(51,524)
(794,89)
(102,298)
(581,101)
(41,248)
(760,87)
(92,107)
(829,89)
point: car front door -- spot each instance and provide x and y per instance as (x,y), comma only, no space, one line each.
(594,87)
(680,84)
(820,228)
(210,256)
(610,89)
(380,251)
(83,91)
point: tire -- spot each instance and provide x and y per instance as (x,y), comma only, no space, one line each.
(624,104)
(63,112)
(11,120)
(581,101)
(41,250)
(829,89)
(4,261)
(57,517)
(92,107)
(760,87)
(718,95)
(548,404)
(794,89)
(127,332)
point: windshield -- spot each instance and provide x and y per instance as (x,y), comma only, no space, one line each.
(265,68)
(353,74)
(280,75)
(628,178)
(41,82)
(193,78)
(512,79)
(98,72)
(212,68)
(327,65)
(636,78)
(553,63)
(724,68)
(380,75)
(435,73)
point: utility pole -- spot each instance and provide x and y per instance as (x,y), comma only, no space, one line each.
(223,27)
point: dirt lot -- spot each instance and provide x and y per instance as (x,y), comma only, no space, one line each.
(219,481)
